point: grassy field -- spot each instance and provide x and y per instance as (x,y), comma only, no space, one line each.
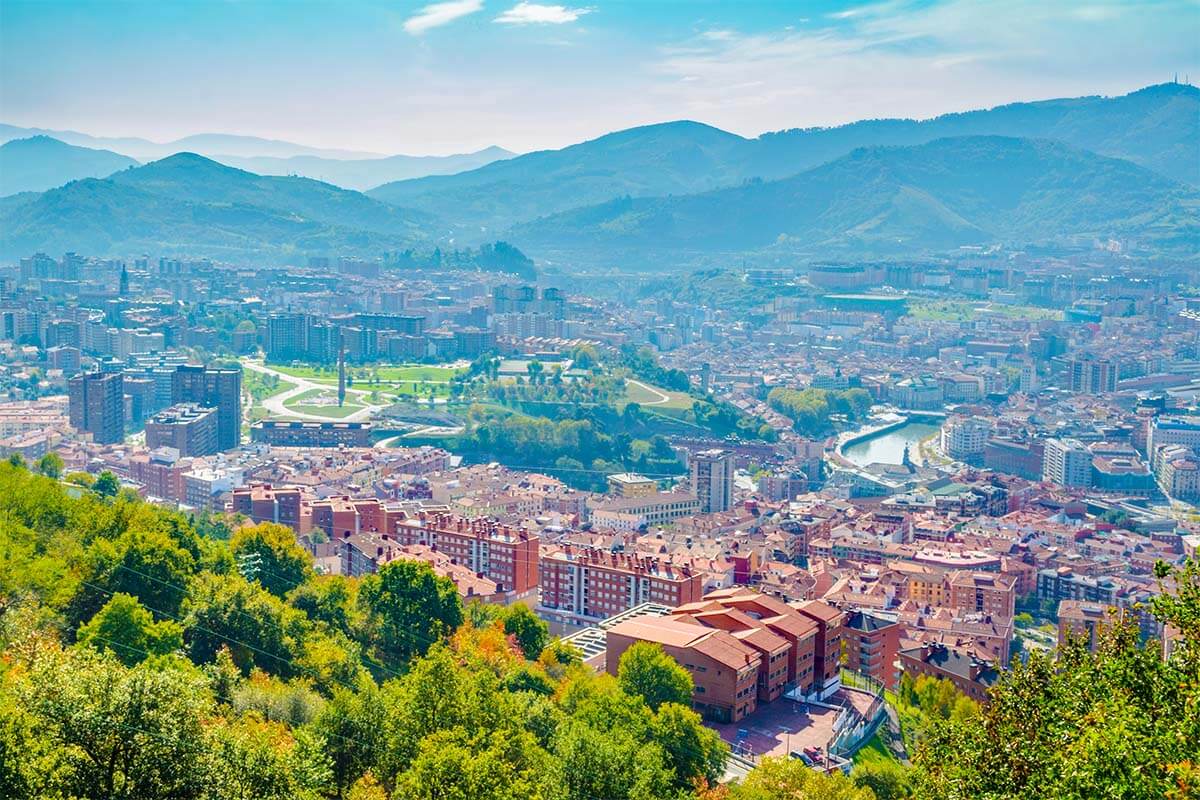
(635,393)
(967,310)
(303,404)
(261,387)
(388,373)
(874,752)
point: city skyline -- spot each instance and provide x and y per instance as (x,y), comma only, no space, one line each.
(439,78)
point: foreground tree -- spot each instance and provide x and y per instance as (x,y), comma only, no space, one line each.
(528,629)
(118,732)
(647,672)
(408,608)
(272,557)
(789,779)
(124,627)
(1123,722)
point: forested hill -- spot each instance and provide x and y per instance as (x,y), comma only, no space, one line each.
(941,195)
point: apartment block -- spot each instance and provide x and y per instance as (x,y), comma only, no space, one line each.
(983,592)
(724,670)
(872,644)
(97,406)
(584,584)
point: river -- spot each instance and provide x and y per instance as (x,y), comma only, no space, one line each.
(888,448)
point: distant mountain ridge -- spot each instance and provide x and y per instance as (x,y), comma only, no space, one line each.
(366,173)
(190,204)
(1125,166)
(40,163)
(1156,127)
(204,143)
(935,196)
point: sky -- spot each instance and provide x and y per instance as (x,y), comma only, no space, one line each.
(457,75)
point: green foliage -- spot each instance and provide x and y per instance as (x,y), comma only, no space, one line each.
(647,672)
(888,780)
(106,484)
(117,732)
(810,409)
(1122,722)
(126,628)
(530,632)
(280,564)
(777,778)
(50,465)
(408,608)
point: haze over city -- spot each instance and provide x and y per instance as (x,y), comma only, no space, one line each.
(589,400)
(407,77)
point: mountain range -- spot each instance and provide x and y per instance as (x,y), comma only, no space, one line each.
(187,203)
(365,173)
(968,190)
(207,143)
(40,163)
(1049,171)
(1157,127)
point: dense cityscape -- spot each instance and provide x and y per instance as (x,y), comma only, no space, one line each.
(847,451)
(884,470)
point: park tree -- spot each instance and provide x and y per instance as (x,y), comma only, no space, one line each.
(272,556)
(229,612)
(888,780)
(407,609)
(125,628)
(694,752)
(780,778)
(530,632)
(149,565)
(647,672)
(328,599)
(50,465)
(107,484)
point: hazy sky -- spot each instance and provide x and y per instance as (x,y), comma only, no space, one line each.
(414,77)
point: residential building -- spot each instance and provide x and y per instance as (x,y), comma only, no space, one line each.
(712,479)
(1068,463)
(295,433)
(724,670)
(189,428)
(871,644)
(97,406)
(984,592)
(584,584)
(214,388)
(970,675)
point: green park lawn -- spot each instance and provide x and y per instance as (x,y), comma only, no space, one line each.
(967,310)
(635,393)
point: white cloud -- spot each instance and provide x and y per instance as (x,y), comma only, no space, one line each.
(538,14)
(909,58)
(438,14)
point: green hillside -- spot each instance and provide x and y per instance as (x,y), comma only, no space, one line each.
(40,163)
(948,193)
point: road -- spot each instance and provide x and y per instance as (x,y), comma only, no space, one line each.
(276,404)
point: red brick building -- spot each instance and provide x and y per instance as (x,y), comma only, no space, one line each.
(262,502)
(784,638)
(971,676)
(826,665)
(984,592)
(872,644)
(776,616)
(724,670)
(583,584)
